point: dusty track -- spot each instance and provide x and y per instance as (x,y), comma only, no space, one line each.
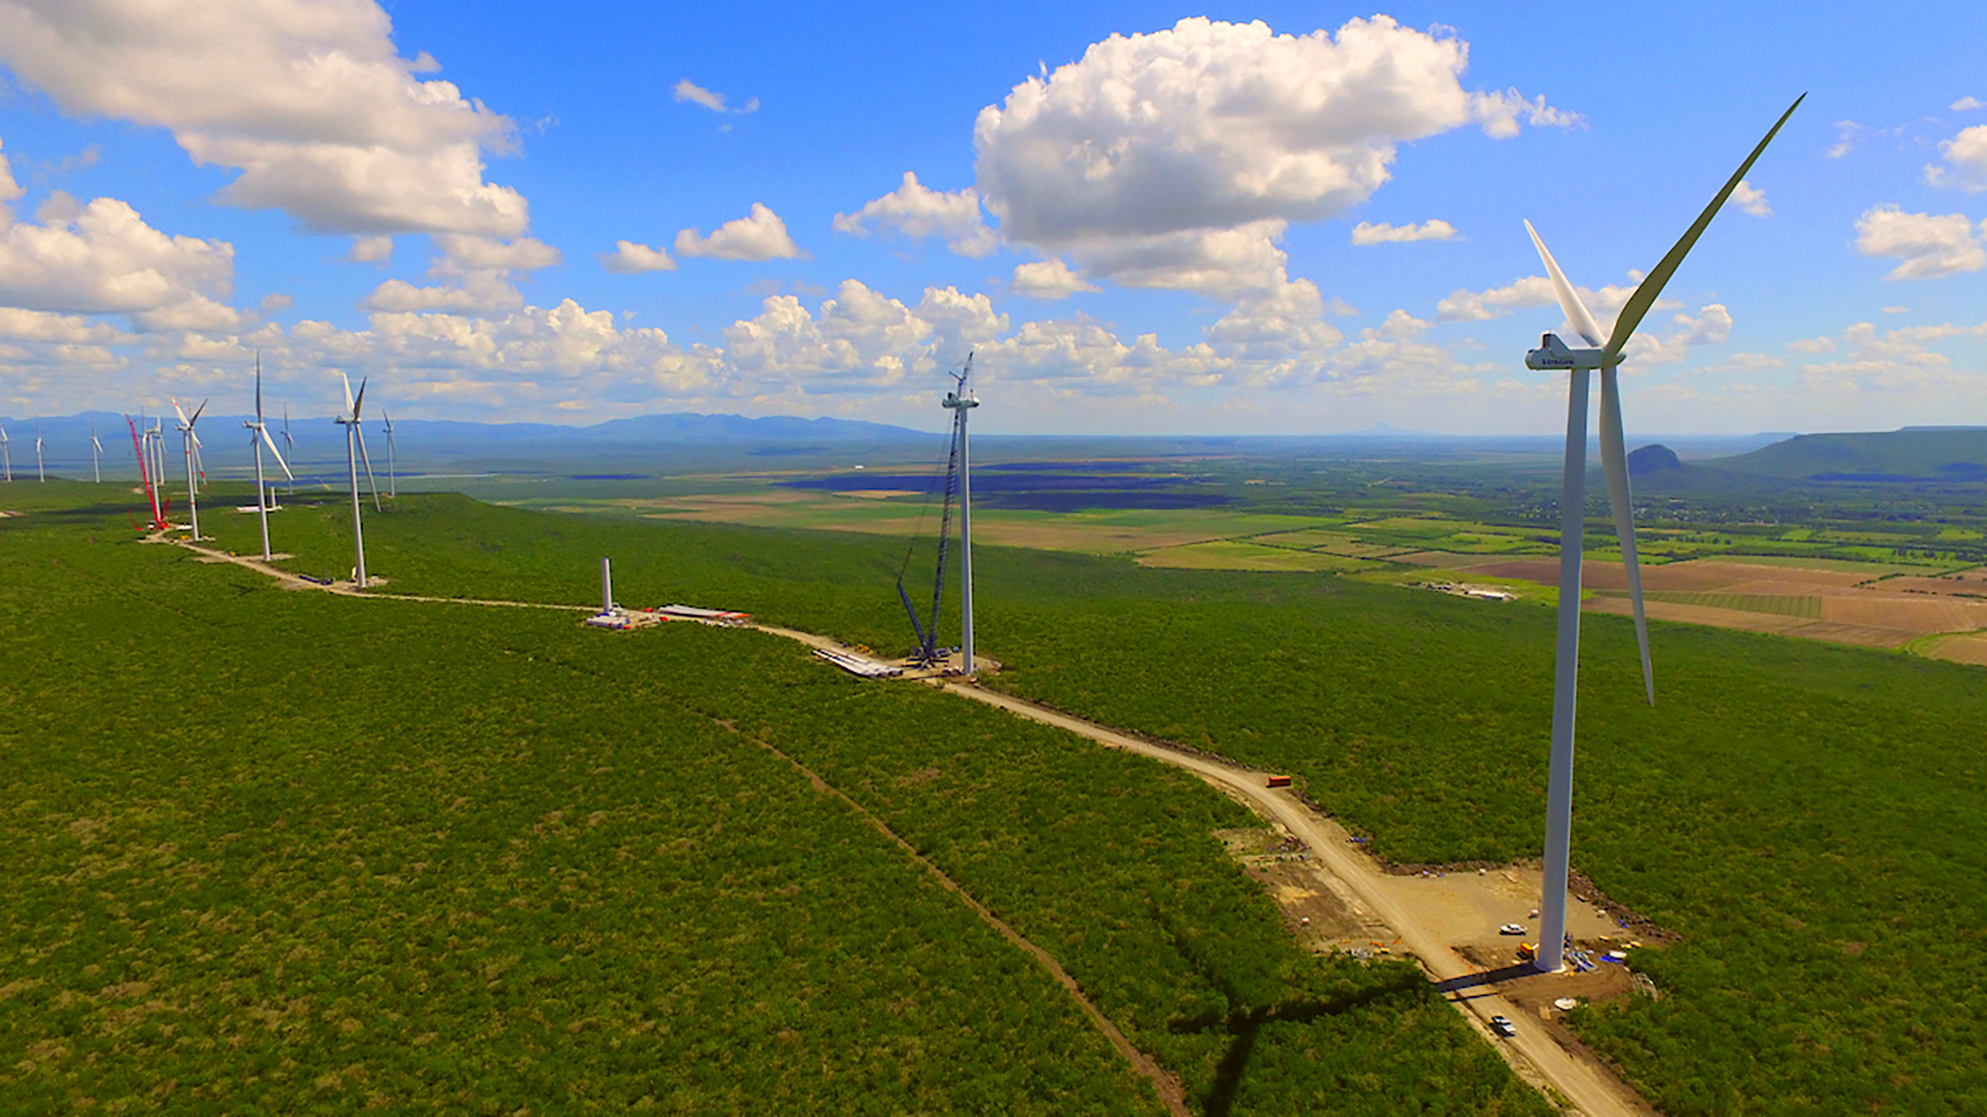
(1589,1089)
(1584,1087)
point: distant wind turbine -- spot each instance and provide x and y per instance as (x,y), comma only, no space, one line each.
(39,474)
(96,455)
(257,440)
(392,487)
(6,453)
(190,446)
(355,447)
(1554,354)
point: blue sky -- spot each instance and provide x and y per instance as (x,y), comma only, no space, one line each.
(1306,227)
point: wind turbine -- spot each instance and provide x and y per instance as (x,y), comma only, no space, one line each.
(392,486)
(6,453)
(355,448)
(1554,354)
(39,474)
(960,401)
(96,455)
(189,443)
(257,441)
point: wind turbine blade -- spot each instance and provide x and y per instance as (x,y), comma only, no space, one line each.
(178,410)
(1614,463)
(347,381)
(359,401)
(368,458)
(258,390)
(1576,311)
(1652,285)
(271,443)
(196,413)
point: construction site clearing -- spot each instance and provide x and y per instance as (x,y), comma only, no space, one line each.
(1473,910)
(1464,589)
(618,619)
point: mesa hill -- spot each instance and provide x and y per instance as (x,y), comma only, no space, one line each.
(1909,454)
(1653,458)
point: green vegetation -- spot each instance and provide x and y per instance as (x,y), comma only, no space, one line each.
(1949,454)
(276,850)
(1781,605)
(1804,816)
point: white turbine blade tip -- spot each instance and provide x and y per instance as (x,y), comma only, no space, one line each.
(1569,301)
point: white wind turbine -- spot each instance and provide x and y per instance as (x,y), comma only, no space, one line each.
(96,455)
(257,440)
(355,449)
(1554,354)
(6,453)
(190,447)
(39,474)
(392,486)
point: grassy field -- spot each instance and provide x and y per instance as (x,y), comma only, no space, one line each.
(275,850)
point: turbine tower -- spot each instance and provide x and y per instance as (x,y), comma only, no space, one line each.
(355,449)
(189,443)
(1554,354)
(257,441)
(39,474)
(960,401)
(6,454)
(96,455)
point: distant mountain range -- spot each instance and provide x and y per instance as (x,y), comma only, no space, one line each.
(1907,455)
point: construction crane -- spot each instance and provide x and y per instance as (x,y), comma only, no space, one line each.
(958,487)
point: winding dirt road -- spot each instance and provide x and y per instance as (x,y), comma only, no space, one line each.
(1579,1085)
(1585,1088)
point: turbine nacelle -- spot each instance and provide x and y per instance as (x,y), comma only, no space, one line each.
(1554,355)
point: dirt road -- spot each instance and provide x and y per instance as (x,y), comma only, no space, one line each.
(1588,1089)
(1584,1087)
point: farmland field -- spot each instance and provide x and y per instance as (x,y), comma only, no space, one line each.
(278,850)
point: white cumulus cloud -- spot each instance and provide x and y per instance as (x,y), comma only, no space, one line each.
(1048,279)
(629,258)
(916,211)
(1383,233)
(692,93)
(1751,199)
(1152,142)
(103,258)
(1966,161)
(760,235)
(1927,247)
(371,250)
(308,99)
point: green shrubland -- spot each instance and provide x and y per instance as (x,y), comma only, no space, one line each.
(275,850)
(1804,816)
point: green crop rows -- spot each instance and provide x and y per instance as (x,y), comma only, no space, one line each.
(1782,605)
(272,851)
